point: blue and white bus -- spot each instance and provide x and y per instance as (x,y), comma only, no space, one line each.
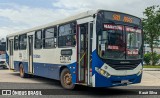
(96,48)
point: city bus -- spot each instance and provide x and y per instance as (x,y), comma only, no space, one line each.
(98,48)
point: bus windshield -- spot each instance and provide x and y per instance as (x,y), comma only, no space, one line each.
(134,42)
(112,42)
(115,42)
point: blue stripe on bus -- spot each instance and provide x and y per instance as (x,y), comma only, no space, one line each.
(51,71)
(96,61)
(46,70)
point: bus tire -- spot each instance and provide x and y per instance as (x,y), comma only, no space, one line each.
(22,72)
(66,79)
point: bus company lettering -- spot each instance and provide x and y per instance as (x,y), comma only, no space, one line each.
(36,56)
(20,55)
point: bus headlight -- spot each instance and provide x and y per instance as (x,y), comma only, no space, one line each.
(102,72)
(140,72)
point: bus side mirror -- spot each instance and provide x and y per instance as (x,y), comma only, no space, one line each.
(94,15)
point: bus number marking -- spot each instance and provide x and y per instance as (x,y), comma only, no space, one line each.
(65,59)
(116,17)
(127,19)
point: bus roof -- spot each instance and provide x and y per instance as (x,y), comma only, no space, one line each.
(68,19)
(71,18)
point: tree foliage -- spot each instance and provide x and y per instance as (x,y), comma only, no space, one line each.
(151,27)
(147,58)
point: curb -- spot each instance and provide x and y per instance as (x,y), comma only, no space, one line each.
(151,69)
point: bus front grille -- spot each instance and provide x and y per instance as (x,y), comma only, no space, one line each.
(124,66)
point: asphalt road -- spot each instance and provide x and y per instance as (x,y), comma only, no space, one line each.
(11,80)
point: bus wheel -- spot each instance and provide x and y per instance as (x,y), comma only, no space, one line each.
(21,70)
(66,79)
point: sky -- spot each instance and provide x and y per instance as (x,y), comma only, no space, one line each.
(17,15)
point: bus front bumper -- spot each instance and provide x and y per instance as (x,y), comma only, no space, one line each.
(101,81)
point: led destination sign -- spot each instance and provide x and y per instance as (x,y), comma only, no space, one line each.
(122,17)
(118,17)
(113,27)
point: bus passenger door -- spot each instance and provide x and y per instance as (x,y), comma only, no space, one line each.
(11,65)
(84,53)
(30,53)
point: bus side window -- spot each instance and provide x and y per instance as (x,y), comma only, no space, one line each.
(16,42)
(38,40)
(55,36)
(49,37)
(66,36)
(23,41)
